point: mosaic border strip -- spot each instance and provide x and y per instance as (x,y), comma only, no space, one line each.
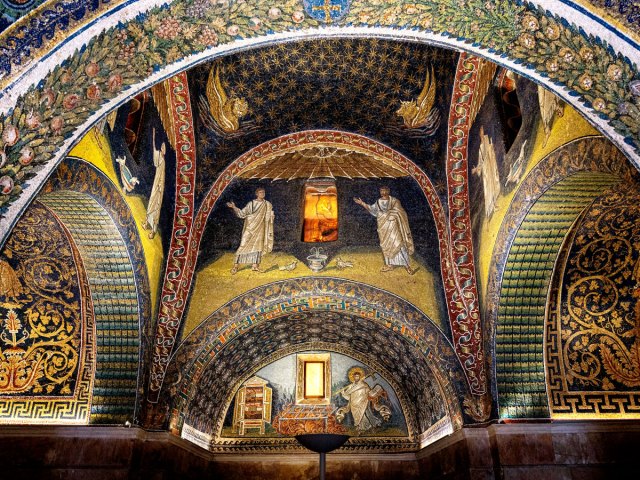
(177,277)
(464,314)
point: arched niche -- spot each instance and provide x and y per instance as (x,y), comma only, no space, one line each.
(424,396)
(84,89)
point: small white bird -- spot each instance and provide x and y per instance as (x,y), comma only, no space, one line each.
(343,264)
(289,266)
(129,182)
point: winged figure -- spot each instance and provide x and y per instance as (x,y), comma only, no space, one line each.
(550,108)
(420,113)
(225,111)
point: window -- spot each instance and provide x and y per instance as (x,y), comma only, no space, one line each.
(313,380)
(320,223)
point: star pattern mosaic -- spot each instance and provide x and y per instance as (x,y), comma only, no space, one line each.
(349,85)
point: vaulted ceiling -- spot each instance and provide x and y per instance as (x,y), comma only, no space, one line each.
(522,214)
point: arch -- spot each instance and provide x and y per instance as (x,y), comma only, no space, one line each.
(115,301)
(322,330)
(589,162)
(444,426)
(592,318)
(408,410)
(510,39)
(122,258)
(306,295)
(525,286)
(178,282)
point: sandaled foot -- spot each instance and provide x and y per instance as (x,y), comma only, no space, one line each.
(386,268)
(410,270)
(234,270)
(256,268)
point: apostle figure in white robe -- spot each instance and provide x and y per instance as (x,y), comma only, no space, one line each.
(257,233)
(396,241)
(487,169)
(157,190)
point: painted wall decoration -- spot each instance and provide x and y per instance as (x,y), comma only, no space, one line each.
(142,139)
(592,335)
(626,14)
(360,402)
(48,344)
(321,250)
(416,383)
(267,242)
(303,296)
(216,355)
(491,33)
(280,91)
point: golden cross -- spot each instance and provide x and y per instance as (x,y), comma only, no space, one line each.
(327,8)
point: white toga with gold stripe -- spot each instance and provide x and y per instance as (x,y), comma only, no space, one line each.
(257,233)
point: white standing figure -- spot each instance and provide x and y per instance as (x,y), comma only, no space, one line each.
(157,190)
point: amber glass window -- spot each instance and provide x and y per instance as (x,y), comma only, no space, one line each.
(320,222)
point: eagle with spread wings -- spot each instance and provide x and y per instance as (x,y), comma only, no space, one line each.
(421,113)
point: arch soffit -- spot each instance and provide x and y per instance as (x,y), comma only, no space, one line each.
(594,154)
(326,330)
(481,32)
(321,295)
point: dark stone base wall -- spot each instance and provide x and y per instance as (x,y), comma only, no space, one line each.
(565,451)
(524,451)
(118,453)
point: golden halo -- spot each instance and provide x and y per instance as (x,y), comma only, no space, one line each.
(353,371)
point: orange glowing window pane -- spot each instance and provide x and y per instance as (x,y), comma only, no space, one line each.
(320,212)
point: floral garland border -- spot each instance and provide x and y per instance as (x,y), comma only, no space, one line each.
(605,84)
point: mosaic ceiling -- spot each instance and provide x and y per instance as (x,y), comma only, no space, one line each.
(347,85)
(431,123)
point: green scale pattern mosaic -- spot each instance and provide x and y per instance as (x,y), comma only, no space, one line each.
(525,285)
(115,302)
